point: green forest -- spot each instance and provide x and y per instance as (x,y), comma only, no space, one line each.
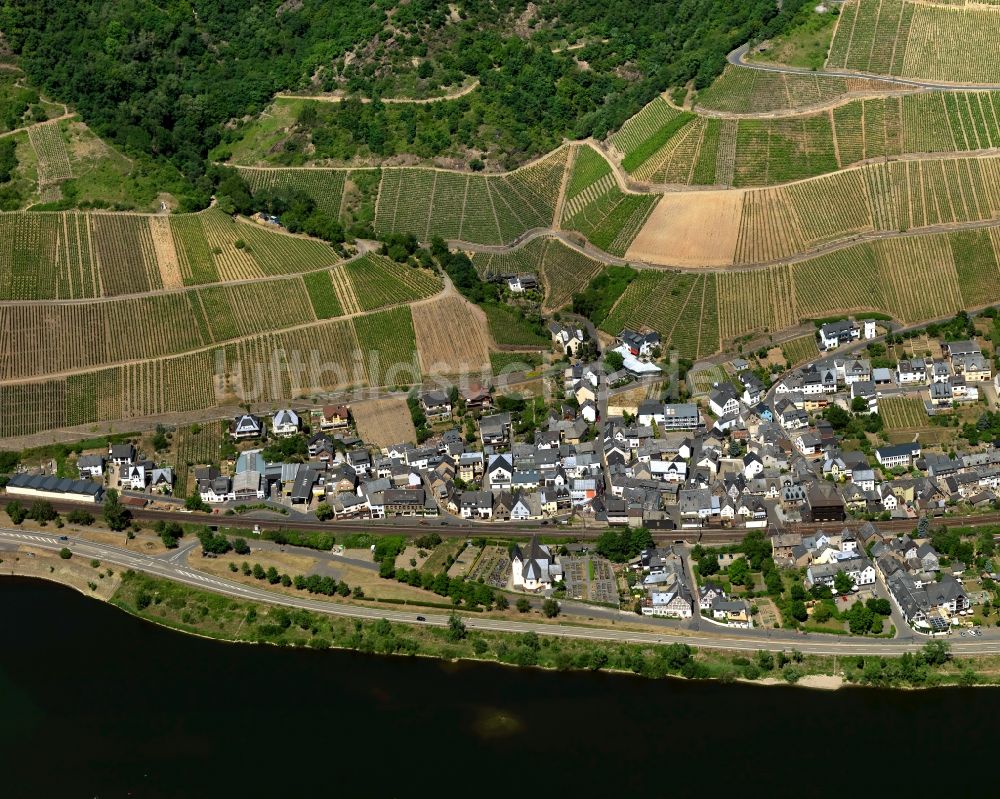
(169,79)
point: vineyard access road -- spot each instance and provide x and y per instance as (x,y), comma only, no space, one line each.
(340,98)
(738,58)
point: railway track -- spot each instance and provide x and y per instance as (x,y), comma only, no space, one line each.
(449,527)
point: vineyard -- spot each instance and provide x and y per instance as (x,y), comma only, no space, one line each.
(702,380)
(760,300)
(607,216)
(46,256)
(322,295)
(902,413)
(898,196)
(485,209)
(565,272)
(682,307)
(124,253)
(509,328)
(451,337)
(246,309)
(741,90)
(526,259)
(766,152)
(324,186)
(378,281)
(653,117)
(388,345)
(801,349)
(196,445)
(917,40)
(50,148)
(562,270)
(125,392)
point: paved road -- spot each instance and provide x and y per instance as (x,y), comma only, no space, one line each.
(743,640)
(737,58)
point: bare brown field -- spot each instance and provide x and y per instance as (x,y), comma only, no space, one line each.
(384,421)
(691,229)
(452,336)
(166,255)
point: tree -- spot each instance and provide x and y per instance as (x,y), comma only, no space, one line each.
(80,516)
(523,605)
(16,512)
(614,361)
(550,608)
(324,512)
(116,515)
(798,610)
(214,543)
(272,575)
(860,619)
(258,571)
(195,502)
(456,628)
(240,546)
(739,572)
(708,564)
(822,613)
(842,582)
(501,602)
(42,511)
(65,554)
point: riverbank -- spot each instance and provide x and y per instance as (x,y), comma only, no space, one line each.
(205,614)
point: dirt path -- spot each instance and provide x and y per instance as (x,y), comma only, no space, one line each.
(557,214)
(339,98)
(27,128)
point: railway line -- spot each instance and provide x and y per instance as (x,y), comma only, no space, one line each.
(450,527)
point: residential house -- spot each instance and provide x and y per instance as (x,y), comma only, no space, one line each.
(285,423)
(246,426)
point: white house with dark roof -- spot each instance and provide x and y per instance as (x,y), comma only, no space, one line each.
(285,423)
(246,426)
(833,334)
(533,568)
(724,401)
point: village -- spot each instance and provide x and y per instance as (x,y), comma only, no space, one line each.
(739,455)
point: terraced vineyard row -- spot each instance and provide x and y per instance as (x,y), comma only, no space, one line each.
(764,152)
(484,209)
(741,90)
(918,40)
(607,216)
(910,278)
(76,255)
(169,385)
(262,368)
(523,260)
(50,148)
(896,196)
(378,281)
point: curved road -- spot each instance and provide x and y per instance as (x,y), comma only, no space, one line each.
(168,567)
(736,58)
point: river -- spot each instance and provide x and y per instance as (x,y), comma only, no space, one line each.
(96,703)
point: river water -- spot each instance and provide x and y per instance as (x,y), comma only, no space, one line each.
(96,703)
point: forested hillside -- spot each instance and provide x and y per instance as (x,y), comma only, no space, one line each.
(165,78)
